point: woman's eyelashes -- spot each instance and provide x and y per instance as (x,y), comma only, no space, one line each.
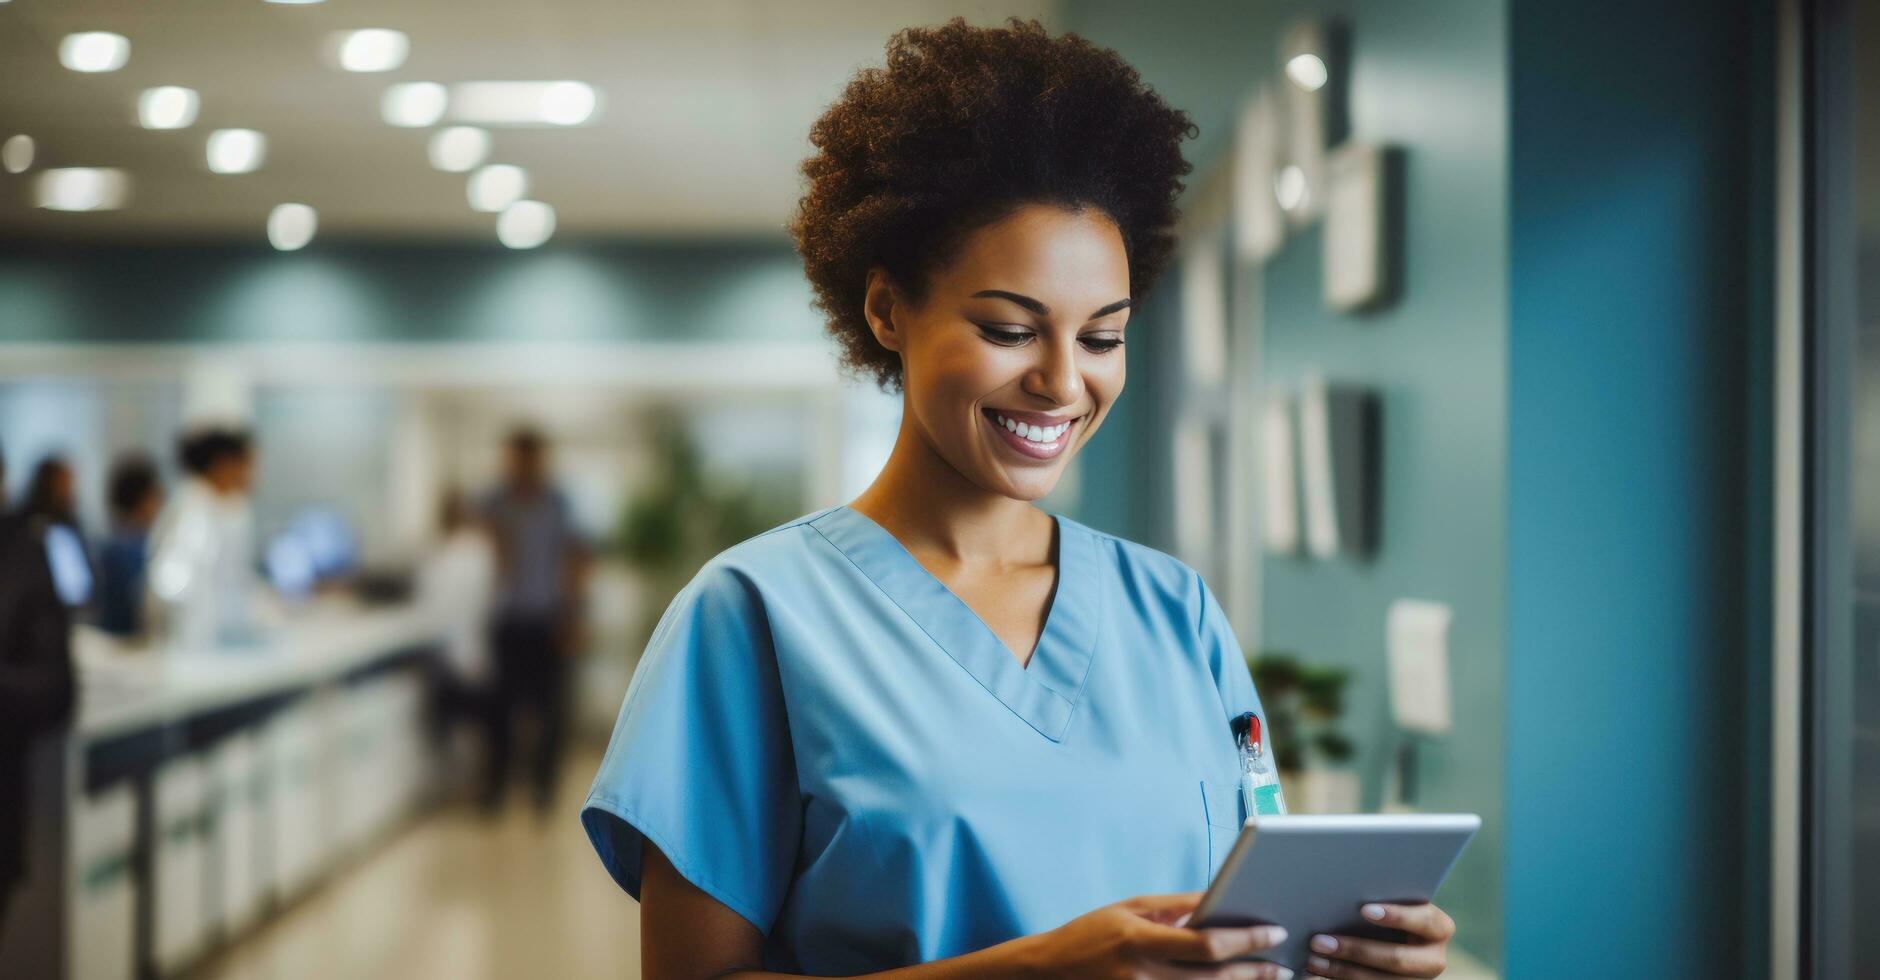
(1006,336)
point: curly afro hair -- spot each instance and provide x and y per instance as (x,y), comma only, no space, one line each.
(963,126)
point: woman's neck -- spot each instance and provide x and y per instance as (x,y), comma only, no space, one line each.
(932,509)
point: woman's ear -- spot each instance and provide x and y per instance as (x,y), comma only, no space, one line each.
(878,305)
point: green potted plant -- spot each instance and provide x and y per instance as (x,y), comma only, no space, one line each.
(1303,704)
(682,517)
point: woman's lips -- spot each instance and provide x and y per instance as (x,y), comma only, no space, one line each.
(1049,448)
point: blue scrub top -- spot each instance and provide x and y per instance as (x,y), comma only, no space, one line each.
(828,741)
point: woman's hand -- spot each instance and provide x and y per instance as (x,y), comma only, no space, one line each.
(1145,939)
(1426,954)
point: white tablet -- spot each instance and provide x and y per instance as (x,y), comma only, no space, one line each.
(1310,874)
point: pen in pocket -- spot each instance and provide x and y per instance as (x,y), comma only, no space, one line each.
(1260,793)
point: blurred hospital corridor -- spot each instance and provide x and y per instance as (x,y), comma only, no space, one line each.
(456,895)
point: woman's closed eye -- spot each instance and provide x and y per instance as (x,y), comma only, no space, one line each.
(1010,336)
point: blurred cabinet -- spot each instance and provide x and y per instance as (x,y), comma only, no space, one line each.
(180,925)
(102,911)
(238,799)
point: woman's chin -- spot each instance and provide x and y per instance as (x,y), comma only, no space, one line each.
(1029,487)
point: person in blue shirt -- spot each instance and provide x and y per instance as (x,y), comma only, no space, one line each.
(541,568)
(135,495)
(937,731)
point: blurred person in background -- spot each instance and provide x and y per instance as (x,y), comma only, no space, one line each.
(202,545)
(37,686)
(50,509)
(135,495)
(938,730)
(541,564)
(454,584)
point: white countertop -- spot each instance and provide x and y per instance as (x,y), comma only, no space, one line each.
(124,688)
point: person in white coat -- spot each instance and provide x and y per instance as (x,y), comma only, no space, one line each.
(202,548)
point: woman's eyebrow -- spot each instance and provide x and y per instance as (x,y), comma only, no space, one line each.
(1042,310)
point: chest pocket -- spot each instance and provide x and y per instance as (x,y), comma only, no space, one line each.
(1220,809)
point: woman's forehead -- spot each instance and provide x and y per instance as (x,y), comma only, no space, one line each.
(1072,254)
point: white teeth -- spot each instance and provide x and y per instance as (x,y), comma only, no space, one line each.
(1033,433)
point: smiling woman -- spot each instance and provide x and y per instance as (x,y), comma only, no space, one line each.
(930,730)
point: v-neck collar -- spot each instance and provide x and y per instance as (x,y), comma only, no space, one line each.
(1046,691)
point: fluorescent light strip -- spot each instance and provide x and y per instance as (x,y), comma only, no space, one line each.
(559,103)
(82,189)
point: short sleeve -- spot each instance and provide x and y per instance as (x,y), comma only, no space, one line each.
(1225,658)
(700,762)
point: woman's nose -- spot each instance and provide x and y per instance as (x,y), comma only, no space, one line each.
(1056,377)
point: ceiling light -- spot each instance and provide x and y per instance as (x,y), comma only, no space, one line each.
(82,189)
(525,224)
(414,104)
(92,51)
(1289,188)
(459,149)
(167,107)
(1308,71)
(373,49)
(497,186)
(561,103)
(16,154)
(296,2)
(291,226)
(568,103)
(236,151)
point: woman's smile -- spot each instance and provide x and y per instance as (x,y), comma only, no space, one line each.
(1031,434)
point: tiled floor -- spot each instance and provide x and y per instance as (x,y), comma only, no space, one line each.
(461,897)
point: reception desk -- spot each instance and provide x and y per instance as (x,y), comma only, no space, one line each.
(198,792)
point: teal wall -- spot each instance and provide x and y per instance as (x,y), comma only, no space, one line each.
(405,292)
(1429,77)
(1574,391)
(1637,489)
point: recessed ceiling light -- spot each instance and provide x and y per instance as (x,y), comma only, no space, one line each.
(497,186)
(372,49)
(458,149)
(82,189)
(291,226)
(16,154)
(167,107)
(296,2)
(414,104)
(563,103)
(236,151)
(93,51)
(525,224)
(1308,71)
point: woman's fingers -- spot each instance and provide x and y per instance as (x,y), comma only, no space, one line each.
(1164,908)
(1424,920)
(1394,959)
(1159,942)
